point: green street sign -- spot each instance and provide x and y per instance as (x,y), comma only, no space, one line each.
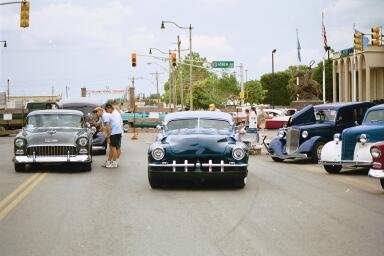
(223,64)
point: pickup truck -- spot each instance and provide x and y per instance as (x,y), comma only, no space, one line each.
(142,119)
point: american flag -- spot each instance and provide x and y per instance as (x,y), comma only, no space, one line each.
(324,32)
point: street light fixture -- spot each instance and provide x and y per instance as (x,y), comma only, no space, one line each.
(190,57)
(5,43)
(153,48)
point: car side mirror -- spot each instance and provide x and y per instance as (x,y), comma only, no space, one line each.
(356,123)
(93,130)
(88,125)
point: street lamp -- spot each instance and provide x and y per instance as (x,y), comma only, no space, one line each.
(273,63)
(153,48)
(5,43)
(190,58)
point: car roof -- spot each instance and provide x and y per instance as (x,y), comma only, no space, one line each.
(80,102)
(55,112)
(377,107)
(198,114)
(338,105)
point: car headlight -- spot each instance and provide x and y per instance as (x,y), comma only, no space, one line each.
(363,138)
(281,134)
(304,134)
(336,137)
(19,143)
(375,152)
(158,153)
(238,153)
(82,142)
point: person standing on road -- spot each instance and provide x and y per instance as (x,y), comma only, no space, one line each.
(114,136)
(105,128)
(246,119)
(253,118)
(117,114)
(261,118)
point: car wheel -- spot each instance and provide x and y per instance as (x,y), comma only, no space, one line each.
(316,153)
(240,183)
(276,159)
(154,182)
(382,183)
(332,168)
(19,167)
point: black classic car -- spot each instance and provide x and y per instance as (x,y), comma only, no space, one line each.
(53,137)
(99,142)
(313,126)
(197,145)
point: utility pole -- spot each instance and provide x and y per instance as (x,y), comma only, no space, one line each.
(8,89)
(181,74)
(241,83)
(66,91)
(170,81)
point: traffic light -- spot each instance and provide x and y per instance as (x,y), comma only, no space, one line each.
(173,59)
(376,36)
(358,41)
(133,59)
(24,15)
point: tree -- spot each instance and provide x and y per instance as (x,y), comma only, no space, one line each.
(255,91)
(277,87)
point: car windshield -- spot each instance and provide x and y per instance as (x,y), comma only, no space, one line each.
(87,111)
(54,120)
(374,116)
(325,115)
(201,125)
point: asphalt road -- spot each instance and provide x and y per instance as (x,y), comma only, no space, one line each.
(285,209)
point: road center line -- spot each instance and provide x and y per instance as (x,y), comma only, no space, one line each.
(18,189)
(20,197)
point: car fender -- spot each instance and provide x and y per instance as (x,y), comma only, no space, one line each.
(308,145)
(331,151)
(362,152)
(277,146)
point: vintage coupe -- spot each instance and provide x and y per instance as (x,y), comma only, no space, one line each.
(377,169)
(54,137)
(313,126)
(198,145)
(99,140)
(351,148)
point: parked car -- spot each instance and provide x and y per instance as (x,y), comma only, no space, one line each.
(198,145)
(377,169)
(99,141)
(53,137)
(309,129)
(351,148)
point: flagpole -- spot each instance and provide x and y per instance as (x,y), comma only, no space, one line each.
(323,32)
(298,63)
(354,69)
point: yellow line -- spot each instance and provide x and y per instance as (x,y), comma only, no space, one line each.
(21,196)
(18,189)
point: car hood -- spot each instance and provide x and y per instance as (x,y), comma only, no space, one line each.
(52,136)
(304,116)
(198,144)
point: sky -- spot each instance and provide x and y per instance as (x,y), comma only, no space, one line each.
(88,44)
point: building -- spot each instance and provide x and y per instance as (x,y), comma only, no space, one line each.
(21,101)
(369,66)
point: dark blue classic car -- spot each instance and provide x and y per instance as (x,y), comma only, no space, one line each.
(351,148)
(197,145)
(309,129)
(85,105)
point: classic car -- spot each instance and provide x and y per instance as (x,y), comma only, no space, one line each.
(276,120)
(351,148)
(53,137)
(198,145)
(99,141)
(309,129)
(377,169)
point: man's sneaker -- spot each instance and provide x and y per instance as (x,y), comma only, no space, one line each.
(106,163)
(114,164)
(110,165)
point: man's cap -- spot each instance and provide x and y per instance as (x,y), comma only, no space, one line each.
(97,109)
(108,105)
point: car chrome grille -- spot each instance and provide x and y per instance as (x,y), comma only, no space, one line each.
(51,150)
(293,138)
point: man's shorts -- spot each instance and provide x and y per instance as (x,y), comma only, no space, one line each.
(115,140)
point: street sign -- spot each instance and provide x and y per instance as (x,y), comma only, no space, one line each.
(223,64)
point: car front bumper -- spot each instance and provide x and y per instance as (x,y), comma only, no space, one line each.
(347,163)
(52,159)
(291,156)
(376,173)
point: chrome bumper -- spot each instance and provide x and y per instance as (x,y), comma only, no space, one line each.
(97,148)
(52,159)
(295,156)
(210,165)
(376,173)
(347,163)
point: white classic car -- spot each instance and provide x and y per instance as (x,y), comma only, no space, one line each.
(352,147)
